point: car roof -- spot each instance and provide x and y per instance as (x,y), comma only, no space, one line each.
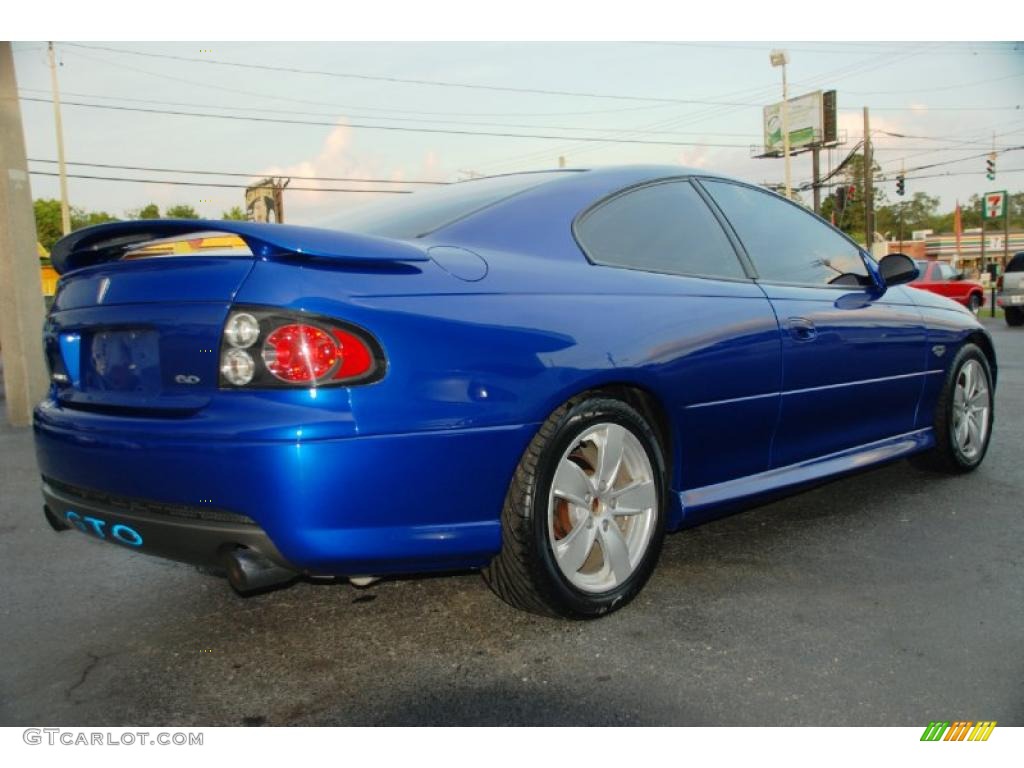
(626,174)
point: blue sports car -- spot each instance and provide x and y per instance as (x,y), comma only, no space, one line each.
(537,375)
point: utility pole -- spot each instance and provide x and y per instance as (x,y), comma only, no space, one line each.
(65,211)
(21,292)
(816,174)
(869,194)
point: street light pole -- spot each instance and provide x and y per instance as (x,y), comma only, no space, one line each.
(780,58)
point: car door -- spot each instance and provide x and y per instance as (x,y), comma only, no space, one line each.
(708,333)
(852,362)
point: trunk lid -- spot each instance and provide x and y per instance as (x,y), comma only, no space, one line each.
(140,308)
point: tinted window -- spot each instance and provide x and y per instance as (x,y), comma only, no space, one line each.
(786,243)
(422,212)
(664,227)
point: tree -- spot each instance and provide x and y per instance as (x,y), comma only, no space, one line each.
(48,220)
(151,211)
(181,212)
(921,211)
(48,225)
(235,214)
(851,218)
(81,218)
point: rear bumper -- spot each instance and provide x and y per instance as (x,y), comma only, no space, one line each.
(375,505)
(187,534)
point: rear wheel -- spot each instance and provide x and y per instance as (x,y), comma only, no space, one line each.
(963,416)
(584,518)
(1014,316)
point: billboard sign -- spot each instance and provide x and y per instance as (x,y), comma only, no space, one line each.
(263,202)
(810,122)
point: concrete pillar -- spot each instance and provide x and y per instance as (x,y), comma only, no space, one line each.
(21,292)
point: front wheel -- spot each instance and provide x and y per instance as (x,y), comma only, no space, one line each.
(584,517)
(974,303)
(963,416)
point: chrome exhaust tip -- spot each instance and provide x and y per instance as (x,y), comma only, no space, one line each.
(250,573)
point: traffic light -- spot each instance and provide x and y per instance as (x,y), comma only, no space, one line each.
(851,193)
(990,167)
(900,184)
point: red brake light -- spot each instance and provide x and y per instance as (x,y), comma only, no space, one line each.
(356,359)
(300,353)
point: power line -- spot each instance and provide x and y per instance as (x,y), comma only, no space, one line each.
(293,100)
(401,128)
(452,84)
(948,48)
(238,174)
(601,129)
(396,119)
(402,80)
(219,185)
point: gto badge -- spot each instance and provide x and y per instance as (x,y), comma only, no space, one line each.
(939,350)
(186,378)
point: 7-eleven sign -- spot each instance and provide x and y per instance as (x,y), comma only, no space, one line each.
(994,205)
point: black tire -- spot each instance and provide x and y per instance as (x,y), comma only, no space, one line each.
(946,456)
(525,573)
(1014,316)
(974,303)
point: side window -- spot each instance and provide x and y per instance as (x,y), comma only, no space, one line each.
(786,243)
(663,227)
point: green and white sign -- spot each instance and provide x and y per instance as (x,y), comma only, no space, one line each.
(994,205)
(805,123)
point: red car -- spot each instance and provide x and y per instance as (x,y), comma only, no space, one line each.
(939,277)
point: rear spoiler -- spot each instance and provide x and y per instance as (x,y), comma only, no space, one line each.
(109,242)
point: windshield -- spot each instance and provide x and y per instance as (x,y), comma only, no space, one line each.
(422,212)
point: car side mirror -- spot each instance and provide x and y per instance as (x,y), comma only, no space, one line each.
(897,269)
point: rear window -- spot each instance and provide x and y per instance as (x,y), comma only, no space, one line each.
(422,212)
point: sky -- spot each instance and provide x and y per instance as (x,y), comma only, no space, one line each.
(952,101)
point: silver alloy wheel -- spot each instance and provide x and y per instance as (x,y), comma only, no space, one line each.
(602,507)
(972,402)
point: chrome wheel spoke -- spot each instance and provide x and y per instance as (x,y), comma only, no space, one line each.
(609,456)
(572,484)
(973,432)
(637,497)
(979,399)
(572,551)
(615,551)
(961,432)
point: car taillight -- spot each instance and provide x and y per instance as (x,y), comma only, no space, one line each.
(263,348)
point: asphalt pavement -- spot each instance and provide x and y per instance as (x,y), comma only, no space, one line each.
(894,597)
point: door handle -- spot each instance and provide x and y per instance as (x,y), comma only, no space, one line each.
(801,329)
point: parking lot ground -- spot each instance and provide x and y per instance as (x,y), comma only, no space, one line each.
(891,598)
